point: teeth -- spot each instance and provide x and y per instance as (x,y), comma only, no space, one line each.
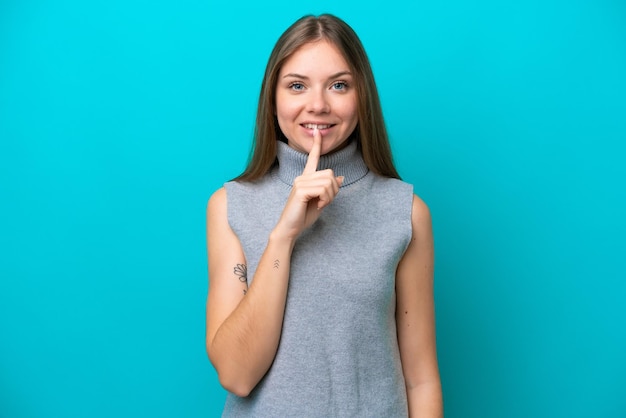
(313,126)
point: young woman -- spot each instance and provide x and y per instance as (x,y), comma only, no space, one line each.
(320,259)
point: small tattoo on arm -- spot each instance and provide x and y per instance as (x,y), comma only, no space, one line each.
(276,264)
(241,270)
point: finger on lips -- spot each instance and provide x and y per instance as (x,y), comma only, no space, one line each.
(312,178)
(314,155)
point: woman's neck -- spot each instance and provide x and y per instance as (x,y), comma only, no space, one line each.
(346,162)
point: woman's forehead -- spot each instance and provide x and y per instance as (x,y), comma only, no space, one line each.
(315,58)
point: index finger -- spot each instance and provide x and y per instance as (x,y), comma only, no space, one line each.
(314,155)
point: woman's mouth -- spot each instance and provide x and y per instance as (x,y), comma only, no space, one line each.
(324,129)
(318,126)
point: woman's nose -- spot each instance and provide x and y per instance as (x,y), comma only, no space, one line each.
(318,102)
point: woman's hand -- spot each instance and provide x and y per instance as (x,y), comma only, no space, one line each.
(311,192)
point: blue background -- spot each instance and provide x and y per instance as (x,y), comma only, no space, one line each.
(118,119)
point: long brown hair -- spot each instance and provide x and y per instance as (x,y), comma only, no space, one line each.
(370,133)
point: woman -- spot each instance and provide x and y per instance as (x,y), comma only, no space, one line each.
(320,259)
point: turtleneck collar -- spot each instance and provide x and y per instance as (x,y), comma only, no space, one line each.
(346,162)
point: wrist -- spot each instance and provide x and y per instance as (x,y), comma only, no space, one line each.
(282,238)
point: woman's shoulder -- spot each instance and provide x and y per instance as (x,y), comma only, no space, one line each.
(220,196)
(420,211)
(217,201)
(397,189)
(389,180)
(391,186)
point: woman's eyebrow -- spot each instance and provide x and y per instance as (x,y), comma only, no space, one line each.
(303,77)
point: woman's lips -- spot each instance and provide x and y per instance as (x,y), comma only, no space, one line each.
(323,128)
(318,125)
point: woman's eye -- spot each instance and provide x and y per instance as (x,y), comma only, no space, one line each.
(296,86)
(340,85)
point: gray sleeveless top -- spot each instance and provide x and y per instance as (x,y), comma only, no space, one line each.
(338,354)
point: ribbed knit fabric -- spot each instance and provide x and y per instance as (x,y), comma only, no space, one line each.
(346,162)
(338,354)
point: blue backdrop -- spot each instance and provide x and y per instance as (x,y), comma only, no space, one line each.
(118,119)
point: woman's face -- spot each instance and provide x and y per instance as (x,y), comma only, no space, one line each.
(316,88)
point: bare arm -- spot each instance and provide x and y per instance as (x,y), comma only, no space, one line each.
(244,325)
(242,331)
(415,318)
